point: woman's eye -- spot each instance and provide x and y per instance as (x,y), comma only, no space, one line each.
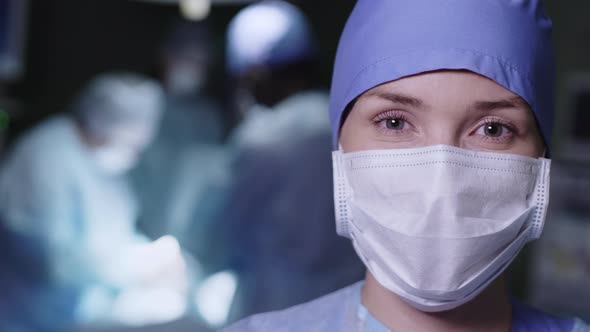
(395,123)
(493,130)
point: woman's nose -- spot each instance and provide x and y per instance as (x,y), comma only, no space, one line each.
(443,135)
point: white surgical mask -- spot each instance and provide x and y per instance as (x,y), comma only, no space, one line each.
(436,225)
(115,160)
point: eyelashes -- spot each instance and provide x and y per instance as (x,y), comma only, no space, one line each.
(496,120)
(392,123)
(491,129)
(504,130)
(388,115)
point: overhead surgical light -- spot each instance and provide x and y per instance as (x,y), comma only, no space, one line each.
(195,10)
(214,2)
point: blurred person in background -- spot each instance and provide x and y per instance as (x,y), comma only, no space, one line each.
(68,217)
(179,178)
(282,244)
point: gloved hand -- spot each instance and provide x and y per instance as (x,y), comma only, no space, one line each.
(155,263)
(161,293)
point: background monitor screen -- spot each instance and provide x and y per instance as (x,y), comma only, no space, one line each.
(12,34)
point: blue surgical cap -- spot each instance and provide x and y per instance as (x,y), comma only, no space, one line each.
(508,41)
(272,33)
(119,99)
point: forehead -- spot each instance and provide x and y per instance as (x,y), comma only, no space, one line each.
(458,85)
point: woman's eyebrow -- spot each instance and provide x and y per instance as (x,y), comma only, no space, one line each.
(396,98)
(487,106)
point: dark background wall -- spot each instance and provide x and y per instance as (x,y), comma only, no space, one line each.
(69,41)
(571,34)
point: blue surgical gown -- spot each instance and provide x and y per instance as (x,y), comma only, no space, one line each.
(181,177)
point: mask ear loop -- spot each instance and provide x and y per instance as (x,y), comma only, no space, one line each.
(541,198)
(341,192)
(341,186)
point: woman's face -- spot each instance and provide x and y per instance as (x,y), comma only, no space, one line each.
(457,108)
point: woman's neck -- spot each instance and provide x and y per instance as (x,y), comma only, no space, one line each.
(491,311)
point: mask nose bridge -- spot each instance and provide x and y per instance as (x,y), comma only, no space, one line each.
(439,184)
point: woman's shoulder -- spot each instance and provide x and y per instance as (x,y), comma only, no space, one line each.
(322,314)
(528,319)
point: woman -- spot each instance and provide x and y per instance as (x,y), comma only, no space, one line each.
(442,115)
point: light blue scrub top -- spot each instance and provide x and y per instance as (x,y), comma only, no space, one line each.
(343,311)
